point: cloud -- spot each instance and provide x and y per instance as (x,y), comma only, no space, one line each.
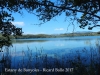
(18,23)
(28,33)
(59,29)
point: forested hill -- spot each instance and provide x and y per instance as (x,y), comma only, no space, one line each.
(26,36)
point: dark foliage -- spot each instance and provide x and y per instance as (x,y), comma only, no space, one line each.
(47,9)
(7,29)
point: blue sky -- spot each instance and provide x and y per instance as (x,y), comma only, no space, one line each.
(57,25)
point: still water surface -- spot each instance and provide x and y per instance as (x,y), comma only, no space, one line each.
(52,53)
(50,46)
(29,49)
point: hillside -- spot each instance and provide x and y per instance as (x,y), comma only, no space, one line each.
(52,35)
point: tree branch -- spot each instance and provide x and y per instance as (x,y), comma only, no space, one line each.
(68,8)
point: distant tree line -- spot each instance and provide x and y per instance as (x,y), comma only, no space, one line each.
(46,10)
(28,36)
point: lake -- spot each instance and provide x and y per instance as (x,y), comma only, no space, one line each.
(55,45)
(53,48)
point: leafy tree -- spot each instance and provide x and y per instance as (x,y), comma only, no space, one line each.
(7,28)
(47,9)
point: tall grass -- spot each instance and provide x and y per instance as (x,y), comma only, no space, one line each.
(81,65)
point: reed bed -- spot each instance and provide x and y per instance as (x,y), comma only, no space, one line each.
(40,63)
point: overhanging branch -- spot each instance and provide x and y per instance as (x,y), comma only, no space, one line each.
(67,8)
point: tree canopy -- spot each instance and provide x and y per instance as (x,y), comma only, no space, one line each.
(47,9)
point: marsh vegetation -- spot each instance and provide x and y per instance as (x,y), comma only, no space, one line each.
(52,53)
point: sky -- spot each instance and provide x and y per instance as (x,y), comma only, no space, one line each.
(28,22)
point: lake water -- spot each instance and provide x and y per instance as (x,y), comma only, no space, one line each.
(51,46)
(54,47)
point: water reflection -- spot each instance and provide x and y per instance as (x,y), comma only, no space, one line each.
(54,53)
(54,45)
(87,42)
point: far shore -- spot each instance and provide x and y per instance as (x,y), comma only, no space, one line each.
(29,36)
